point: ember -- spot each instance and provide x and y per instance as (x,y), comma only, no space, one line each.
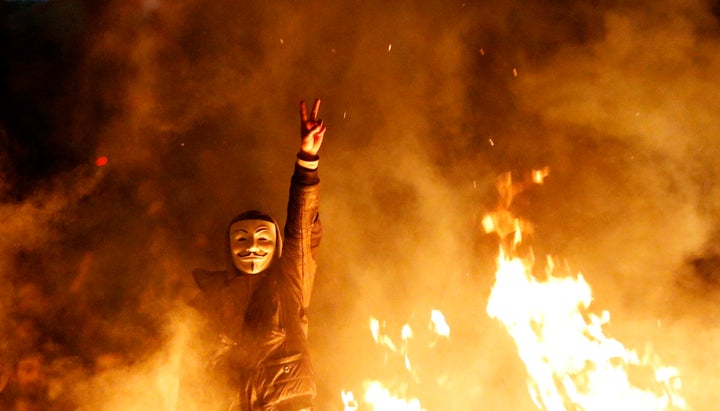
(101,161)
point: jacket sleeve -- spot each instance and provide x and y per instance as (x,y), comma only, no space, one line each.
(303,231)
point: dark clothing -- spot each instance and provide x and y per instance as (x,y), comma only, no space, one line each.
(259,321)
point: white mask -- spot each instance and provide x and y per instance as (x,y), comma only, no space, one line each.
(252,245)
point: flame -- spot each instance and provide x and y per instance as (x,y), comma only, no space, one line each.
(406,335)
(377,396)
(571,364)
(382,400)
(538,176)
(379,336)
(383,339)
(438,326)
(438,323)
(349,401)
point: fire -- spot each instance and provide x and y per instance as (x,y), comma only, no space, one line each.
(349,401)
(538,176)
(382,338)
(571,364)
(380,399)
(377,395)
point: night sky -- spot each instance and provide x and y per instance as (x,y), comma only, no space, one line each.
(193,105)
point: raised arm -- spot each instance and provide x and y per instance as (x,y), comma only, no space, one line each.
(302,228)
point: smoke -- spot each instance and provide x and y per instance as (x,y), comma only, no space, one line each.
(638,96)
(195,106)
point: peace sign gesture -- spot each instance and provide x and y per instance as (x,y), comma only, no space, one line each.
(312,130)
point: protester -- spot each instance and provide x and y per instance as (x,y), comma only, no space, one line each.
(256,309)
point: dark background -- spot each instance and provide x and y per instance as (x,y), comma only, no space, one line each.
(194,104)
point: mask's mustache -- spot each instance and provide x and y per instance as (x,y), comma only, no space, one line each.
(251,253)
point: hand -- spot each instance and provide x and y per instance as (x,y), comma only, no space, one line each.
(312,130)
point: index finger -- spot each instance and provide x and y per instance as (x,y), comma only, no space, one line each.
(316,108)
(303,111)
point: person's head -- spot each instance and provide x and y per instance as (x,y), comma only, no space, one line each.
(253,241)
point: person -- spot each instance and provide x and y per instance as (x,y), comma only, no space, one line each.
(257,308)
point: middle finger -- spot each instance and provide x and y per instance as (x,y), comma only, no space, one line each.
(316,108)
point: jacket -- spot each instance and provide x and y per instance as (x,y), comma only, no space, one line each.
(259,322)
